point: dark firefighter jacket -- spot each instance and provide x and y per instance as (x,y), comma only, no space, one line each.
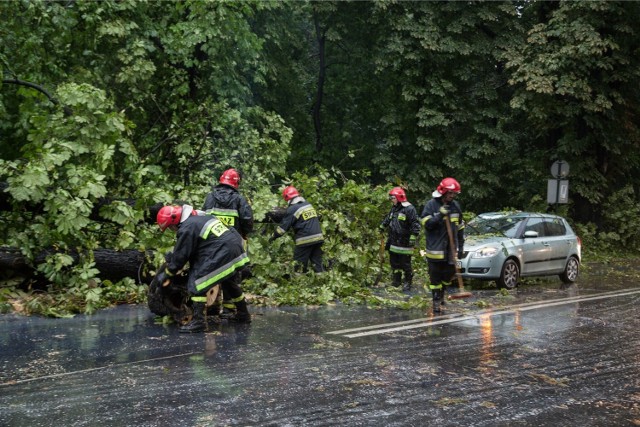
(436,230)
(231,208)
(403,222)
(302,217)
(213,250)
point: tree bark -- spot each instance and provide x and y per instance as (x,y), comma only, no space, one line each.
(322,69)
(113,265)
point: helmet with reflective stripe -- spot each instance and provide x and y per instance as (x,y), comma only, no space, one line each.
(398,193)
(289,193)
(169,215)
(446,185)
(230,177)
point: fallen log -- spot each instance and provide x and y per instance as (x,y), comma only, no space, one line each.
(113,265)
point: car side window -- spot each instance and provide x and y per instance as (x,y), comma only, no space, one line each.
(536,224)
(555,227)
(510,227)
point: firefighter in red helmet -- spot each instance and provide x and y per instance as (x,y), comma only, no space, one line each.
(215,254)
(403,229)
(303,219)
(440,257)
(231,207)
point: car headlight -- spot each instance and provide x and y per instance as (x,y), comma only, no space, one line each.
(485,253)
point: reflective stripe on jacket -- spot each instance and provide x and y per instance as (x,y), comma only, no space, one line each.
(230,207)
(437,240)
(402,221)
(213,251)
(303,218)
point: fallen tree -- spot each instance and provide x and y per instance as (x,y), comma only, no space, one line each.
(113,265)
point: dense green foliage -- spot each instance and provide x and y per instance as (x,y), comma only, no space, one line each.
(150,101)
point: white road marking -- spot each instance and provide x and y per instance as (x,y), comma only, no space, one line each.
(386,328)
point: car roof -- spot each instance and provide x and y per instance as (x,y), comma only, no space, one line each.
(517,214)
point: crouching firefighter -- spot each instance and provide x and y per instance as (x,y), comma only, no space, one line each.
(215,255)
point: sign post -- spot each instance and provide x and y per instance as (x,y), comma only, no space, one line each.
(558,188)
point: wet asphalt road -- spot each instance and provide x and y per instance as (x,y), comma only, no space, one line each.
(546,356)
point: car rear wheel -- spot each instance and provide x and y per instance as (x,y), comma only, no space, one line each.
(510,275)
(570,273)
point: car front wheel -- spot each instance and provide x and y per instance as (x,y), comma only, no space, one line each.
(570,273)
(510,275)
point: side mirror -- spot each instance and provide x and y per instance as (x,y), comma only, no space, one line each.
(530,233)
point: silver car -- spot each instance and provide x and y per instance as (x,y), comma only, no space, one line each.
(506,246)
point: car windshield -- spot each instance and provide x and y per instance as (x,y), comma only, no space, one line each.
(503,225)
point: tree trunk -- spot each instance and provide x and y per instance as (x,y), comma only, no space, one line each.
(322,68)
(113,265)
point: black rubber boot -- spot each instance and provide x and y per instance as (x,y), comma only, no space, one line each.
(198,323)
(408,281)
(227,312)
(242,313)
(397,279)
(437,300)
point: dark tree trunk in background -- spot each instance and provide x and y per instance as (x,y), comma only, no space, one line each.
(317,106)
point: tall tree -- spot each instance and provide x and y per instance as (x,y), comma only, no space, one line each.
(452,117)
(576,80)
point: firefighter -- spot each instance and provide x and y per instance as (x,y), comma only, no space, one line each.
(225,202)
(403,230)
(303,218)
(215,254)
(229,206)
(439,255)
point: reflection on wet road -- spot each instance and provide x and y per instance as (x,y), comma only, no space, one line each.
(454,318)
(550,357)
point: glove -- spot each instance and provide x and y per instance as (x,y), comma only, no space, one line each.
(271,239)
(163,279)
(412,240)
(444,210)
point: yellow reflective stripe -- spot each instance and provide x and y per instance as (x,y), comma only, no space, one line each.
(237,299)
(435,254)
(310,239)
(222,272)
(199,299)
(402,250)
(214,226)
(302,210)
(223,212)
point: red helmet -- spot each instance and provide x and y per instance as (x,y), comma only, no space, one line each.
(169,215)
(446,185)
(398,193)
(289,193)
(230,177)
